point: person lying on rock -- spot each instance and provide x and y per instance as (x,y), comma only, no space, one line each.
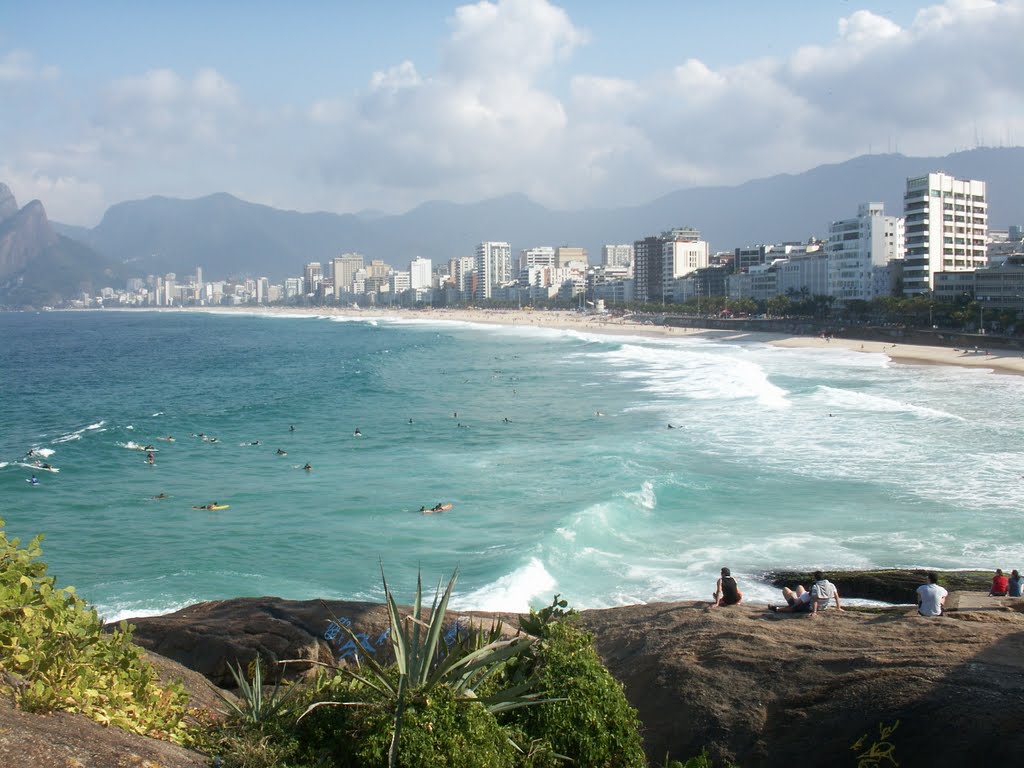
(800,600)
(727,591)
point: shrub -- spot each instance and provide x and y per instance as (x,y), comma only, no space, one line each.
(54,654)
(595,725)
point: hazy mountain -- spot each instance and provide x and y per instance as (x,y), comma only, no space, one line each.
(38,266)
(228,236)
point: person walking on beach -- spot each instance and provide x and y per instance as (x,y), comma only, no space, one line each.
(931,598)
(727,592)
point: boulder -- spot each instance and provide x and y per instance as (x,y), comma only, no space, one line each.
(65,739)
(757,688)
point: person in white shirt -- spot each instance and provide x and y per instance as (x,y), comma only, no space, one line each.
(822,591)
(931,598)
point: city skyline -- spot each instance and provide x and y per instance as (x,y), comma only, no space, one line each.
(346,109)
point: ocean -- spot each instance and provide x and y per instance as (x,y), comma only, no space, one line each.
(610,470)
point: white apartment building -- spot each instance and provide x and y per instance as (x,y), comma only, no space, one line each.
(420,273)
(463,274)
(617,255)
(344,272)
(399,282)
(946,229)
(493,267)
(858,248)
(542,256)
(680,258)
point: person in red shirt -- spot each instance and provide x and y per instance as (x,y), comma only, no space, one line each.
(1000,584)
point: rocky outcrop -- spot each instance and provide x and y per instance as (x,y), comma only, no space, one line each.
(757,688)
(8,205)
(65,739)
(23,236)
(887,585)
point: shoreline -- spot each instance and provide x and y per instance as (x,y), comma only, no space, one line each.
(998,361)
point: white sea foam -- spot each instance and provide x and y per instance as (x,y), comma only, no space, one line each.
(66,438)
(97,425)
(513,592)
(645,497)
(863,401)
(44,452)
(158,413)
(4,464)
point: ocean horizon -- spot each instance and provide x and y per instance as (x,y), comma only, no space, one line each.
(609,469)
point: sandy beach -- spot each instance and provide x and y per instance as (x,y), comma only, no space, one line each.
(997,360)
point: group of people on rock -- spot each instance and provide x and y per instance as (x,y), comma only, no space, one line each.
(931,597)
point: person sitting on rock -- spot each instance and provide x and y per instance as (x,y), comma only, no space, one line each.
(797,601)
(1000,584)
(1015,584)
(822,591)
(727,592)
(931,598)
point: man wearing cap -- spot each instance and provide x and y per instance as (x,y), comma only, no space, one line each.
(727,592)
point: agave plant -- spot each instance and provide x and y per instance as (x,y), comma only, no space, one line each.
(252,705)
(423,662)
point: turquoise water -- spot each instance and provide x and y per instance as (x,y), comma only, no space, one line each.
(779,458)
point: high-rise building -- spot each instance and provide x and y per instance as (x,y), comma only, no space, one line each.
(420,273)
(946,224)
(541,256)
(493,268)
(566,254)
(345,268)
(617,255)
(314,274)
(858,248)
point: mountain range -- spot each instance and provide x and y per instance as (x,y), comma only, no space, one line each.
(229,237)
(38,266)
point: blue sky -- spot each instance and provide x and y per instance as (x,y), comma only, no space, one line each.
(350,106)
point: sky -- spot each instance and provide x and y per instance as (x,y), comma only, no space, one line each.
(357,106)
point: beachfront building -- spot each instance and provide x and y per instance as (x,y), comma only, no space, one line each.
(344,272)
(946,229)
(654,261)
(541,256)
(617,255)
(567,256)
(858,248)
(420,274)
(493,268)
(681,256)
(313,274)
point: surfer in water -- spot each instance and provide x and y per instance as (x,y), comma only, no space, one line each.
(357,433)
(281,453)
(161,496)
(308,466)
(150,458)
(33,480)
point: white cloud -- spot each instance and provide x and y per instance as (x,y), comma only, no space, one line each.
(505,111)
(20,66)
(67,199)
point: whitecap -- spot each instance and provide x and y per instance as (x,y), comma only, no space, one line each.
(512,592)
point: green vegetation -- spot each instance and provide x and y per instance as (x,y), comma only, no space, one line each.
(54,654)
(880,752)
(478,699)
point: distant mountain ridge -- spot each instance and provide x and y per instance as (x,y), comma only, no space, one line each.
(230,237)
(37,265)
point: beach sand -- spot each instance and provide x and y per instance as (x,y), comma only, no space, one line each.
(998,361)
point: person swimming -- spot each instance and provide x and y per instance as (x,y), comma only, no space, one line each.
(291,428)
(33,480)
(161,496)
(357,433)
(281,453)
(308,466)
